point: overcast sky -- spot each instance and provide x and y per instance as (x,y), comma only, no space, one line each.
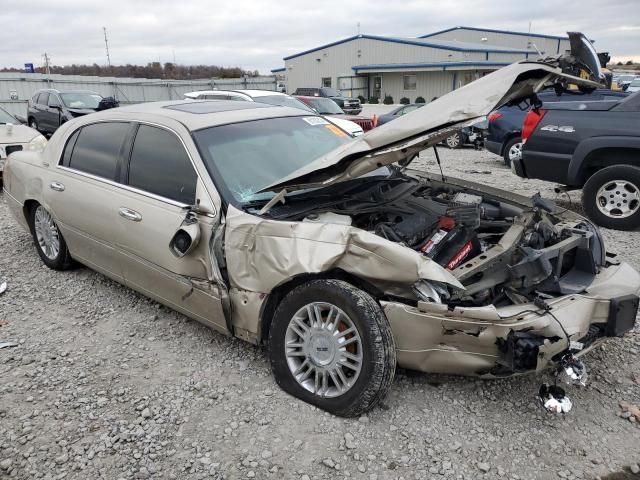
(255,34)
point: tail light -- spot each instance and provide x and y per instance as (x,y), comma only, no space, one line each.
(531,121)
(494,116)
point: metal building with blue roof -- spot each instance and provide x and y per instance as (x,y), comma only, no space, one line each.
(427,66)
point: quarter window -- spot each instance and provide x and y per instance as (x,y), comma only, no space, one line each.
(160,165)
(410,82)
(97,149)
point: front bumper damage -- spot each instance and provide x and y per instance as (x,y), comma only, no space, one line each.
(490,342)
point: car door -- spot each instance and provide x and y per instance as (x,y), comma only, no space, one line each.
(41,114)
(81,190)
(161,183)
(54,111)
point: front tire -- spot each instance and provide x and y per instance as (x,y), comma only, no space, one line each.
(611,197)
(512,151)
(331,345)
(34,124)
(49,241)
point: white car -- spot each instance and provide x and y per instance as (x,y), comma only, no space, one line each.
(15,137)
(272,98)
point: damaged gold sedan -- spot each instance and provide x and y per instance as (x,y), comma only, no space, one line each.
(275,226)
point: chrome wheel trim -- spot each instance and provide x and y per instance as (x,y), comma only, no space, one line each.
(515,152)
(323,349)
(46,233)
(618,199)
(34,125)
(453,140)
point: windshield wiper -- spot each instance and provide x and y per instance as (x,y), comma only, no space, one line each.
(279,197)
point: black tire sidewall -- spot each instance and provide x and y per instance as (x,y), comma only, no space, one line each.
(62,260)
(507,147)
(593,184)
(342,296)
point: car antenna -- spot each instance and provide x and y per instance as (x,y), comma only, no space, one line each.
(435,150)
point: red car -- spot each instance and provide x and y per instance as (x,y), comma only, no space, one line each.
(329,108)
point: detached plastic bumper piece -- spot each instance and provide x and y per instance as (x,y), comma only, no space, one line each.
(622,315)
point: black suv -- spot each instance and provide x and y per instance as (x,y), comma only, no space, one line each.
(48,109)
(348,105)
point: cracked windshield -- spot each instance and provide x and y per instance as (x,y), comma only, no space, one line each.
(250,156)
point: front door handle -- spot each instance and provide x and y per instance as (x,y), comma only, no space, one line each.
(57,186)
(129,214)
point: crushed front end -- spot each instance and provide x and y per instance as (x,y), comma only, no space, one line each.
(537,281)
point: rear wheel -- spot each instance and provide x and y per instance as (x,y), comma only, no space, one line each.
(512,151)
(611,197)
(454,140)
(331,345)
(49,241)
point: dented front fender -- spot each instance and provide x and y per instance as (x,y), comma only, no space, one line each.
(265,253)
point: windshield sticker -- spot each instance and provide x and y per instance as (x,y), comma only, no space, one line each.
(336,131)
(315,120)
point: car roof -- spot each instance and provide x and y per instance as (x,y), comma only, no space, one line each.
(250,93)
(54,90)
(198,114)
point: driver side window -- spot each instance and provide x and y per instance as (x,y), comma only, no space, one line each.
(54,101)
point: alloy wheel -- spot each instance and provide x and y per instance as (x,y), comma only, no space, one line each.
(515,152)
(618,199)
(323,349)
(453,141)
(46,233)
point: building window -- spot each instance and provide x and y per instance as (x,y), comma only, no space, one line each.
(326,81)
(410,82)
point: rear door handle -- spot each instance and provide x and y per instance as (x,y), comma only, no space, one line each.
(129,214)
(57,186)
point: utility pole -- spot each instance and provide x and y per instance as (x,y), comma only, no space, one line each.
(46,64)
(106,44)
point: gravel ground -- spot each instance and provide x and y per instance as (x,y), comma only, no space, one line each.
(106,384)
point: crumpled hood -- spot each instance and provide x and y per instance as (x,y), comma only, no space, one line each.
(408,135)
(16,134)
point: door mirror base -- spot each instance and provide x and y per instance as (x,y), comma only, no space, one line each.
(187,237)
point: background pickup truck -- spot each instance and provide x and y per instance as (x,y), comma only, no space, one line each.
(505,124)
(594,145)
(348,105)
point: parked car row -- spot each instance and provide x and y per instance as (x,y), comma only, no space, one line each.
(271,224)
(328,107)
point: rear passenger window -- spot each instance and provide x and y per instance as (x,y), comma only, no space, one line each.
(43,99)
(97,149)
(160,165)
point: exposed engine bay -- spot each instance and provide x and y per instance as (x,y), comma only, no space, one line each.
(502,253)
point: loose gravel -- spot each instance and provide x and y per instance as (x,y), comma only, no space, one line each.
(106,384)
